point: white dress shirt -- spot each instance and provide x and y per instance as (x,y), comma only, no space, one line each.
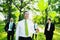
(49,26)
(20,30)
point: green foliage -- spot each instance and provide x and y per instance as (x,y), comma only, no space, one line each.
(40,19)
(53,1)
(15,13)
(52,14)
(42,5)
(17,8)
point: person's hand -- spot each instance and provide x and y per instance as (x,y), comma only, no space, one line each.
(48,30)
(7,31)
(37,30)
(45,35)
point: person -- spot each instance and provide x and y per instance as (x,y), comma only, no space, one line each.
(9,28)
(49,29)
(34,36)
(25,28)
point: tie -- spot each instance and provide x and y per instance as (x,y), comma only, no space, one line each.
(26,28)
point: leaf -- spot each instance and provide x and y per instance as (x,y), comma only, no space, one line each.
(42,5)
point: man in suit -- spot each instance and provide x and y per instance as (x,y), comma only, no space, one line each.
(49,29)
(9,28)
(25,28)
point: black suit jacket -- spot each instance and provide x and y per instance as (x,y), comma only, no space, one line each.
(52,28)
(7,27)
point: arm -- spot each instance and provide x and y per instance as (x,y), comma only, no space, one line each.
(45,28)
(53,27)
(14,26)
(33,31)
(36,27)
(6,27)
(17,32)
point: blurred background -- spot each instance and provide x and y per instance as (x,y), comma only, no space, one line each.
(40,11)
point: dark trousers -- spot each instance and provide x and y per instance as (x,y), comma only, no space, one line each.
(33,36)
(25,38)
(10,35)
(49,36)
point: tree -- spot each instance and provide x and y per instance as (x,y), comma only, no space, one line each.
(21,6)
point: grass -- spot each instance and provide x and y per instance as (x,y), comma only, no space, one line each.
(3,34)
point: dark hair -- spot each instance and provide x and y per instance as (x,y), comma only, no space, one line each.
(25,11)
(49,19)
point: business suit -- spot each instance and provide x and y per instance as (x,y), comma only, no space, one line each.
(11,32)
(20,30)
(49,34)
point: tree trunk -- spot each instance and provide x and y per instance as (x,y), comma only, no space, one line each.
(46,15)
(20,16)
(9,4)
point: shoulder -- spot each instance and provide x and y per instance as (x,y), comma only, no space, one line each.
(20,21)
(52,23)
(14,23)
(46,24)
(30,21)
(8,22)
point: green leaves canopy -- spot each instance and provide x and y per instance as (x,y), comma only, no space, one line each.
(42,5)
